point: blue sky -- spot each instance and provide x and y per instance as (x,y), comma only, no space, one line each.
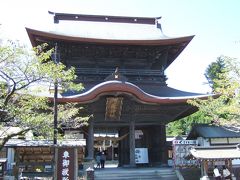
(215,24)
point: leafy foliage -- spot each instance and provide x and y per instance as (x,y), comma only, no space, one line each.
(215,72)
(225,109)
(21,73)
(184,125)
(224,78)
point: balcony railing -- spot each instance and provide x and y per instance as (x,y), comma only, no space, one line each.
(133,72)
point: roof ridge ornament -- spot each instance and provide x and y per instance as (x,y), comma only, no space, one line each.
(238,147)
(158,24)
(116,76)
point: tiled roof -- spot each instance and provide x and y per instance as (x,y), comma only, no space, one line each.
(36,143)
(89,28)
(216,153)
(155,90)
(107,27)
(212,131)
(102,30)
(161,94)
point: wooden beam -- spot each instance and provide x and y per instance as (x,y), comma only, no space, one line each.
(132,143)
(124,124)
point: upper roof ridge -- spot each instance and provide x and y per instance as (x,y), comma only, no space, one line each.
(103,18)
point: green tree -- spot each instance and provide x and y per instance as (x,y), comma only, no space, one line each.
(184,125)
(223,77)
(225,108)
(215,72)
(22,71)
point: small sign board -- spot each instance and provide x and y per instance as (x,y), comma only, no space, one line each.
(66,163)
(181,150)
(141,155)
(194,142)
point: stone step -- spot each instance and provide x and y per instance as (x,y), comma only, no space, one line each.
(136,178)
(149,177)
(135,174)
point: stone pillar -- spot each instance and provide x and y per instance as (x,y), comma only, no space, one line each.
(76,162)
(229,166)
(90,141)
(202,168)
(132,143)
(55,156)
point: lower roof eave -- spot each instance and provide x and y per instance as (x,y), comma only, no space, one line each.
(119,88)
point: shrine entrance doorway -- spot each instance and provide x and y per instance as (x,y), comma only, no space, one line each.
(107,141)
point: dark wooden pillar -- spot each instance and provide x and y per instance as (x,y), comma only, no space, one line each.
(163,145)
(90,140)
(157,145)
(123,147)
(132,143)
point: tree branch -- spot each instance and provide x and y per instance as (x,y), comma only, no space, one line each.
(29,82)
(5,139)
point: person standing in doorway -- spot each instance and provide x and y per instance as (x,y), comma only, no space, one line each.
(103,159)
(216,173)
(98,158)
(20,171)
